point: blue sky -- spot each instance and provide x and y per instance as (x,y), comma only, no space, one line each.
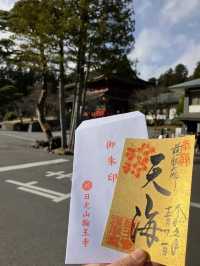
(166,34)
(6,4)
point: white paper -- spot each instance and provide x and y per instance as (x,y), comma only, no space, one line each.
(98,147)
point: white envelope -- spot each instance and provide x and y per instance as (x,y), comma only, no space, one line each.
(98,148)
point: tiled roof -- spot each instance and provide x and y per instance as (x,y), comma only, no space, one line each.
(188,84)
(115,77)
(163,98)
(190,117)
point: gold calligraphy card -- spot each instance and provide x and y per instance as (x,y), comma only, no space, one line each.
(150,207)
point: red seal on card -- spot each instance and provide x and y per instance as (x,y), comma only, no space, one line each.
(87,185)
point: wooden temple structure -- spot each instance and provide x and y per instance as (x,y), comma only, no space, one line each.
(107,95)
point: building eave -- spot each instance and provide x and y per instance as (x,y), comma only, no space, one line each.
(195,83)
(190,117)
(115,78)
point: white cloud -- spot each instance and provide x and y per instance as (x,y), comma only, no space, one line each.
(143,6)
(153,48)
(148,45)
(158,48)
(146,71)
(175,11)
(6,4)
(179,40)
(190,56)
(149,50)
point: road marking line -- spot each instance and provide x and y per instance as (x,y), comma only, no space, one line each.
(47,193)
(28,165)
(51,173)
(30,185)
(64,176)
(17,137)
(67,196)
(58,175)
(195,205)
(37,193)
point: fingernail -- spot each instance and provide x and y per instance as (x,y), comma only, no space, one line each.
(139,256)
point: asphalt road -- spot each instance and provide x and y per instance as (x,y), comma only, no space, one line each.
(34,205)
(33,216)
(193,254)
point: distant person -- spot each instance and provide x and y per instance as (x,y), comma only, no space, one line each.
(167,135)
(161,136)
(198,143)
(173,135)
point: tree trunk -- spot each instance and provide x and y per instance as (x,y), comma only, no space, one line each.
(76,114)
(40,111)
(74,118)
(83,97)
(62,98)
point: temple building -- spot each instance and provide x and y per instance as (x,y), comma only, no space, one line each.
(107,95)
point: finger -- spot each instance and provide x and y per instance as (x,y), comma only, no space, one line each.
(96,264)
(149,263)
(137,258)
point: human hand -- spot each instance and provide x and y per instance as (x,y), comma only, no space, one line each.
(137,258)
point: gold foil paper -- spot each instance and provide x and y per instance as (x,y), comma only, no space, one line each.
(150,207)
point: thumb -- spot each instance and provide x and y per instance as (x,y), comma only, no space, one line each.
(137,258)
